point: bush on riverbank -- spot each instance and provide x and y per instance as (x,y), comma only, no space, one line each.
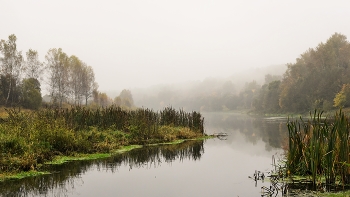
(28,139)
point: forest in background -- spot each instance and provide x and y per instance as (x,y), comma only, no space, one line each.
(319,79)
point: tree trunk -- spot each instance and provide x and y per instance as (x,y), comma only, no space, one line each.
(8,93)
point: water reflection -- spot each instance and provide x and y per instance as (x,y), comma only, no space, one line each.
(153,156)
(66,177)
(272,131)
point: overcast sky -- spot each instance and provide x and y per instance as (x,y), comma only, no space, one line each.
(139,43)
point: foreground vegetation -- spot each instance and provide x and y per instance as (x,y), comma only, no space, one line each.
(319,148)
(29,139)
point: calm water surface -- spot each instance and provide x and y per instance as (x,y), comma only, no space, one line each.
(215,167)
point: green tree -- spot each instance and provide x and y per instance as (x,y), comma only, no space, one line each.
(30,93)
(317,76)
(271,100)
(11,64)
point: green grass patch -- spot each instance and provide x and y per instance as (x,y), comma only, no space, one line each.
(22,175)
(336,194)
(205,137)
(63,159)
(167,143)
(126,148)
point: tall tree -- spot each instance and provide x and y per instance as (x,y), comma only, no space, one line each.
(76,73)
(11,63)
(5,81)
(58,67)
(88,82)
(33,67)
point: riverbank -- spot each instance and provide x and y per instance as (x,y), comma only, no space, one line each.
(58,160)
(31,139)
(326,113)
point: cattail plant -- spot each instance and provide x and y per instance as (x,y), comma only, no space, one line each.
(320,147)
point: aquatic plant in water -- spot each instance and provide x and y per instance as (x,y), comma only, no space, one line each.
(319,147)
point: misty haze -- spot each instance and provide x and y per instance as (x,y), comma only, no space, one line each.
(183,98)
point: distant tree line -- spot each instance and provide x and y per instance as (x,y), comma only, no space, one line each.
(124,100)
(319,79)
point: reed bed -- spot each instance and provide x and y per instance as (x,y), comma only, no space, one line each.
(319,147)
(79,118)
(31,138)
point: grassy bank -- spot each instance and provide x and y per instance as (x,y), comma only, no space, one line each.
(29,139)
(336,194)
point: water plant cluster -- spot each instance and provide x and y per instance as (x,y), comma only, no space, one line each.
(319,147)
(28,139)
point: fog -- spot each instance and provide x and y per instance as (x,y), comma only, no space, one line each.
(188,94)
(142,44)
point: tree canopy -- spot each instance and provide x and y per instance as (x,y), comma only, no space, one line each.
(317,80)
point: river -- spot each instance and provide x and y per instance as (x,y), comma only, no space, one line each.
(214,167)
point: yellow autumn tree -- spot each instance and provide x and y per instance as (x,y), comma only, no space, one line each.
(342,98)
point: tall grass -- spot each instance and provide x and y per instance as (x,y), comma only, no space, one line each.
(320,148)
(30,138)
(79,118)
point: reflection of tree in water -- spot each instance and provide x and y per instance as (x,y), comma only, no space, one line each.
(62,178)
(66,177)
(155,155)
(271,131)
